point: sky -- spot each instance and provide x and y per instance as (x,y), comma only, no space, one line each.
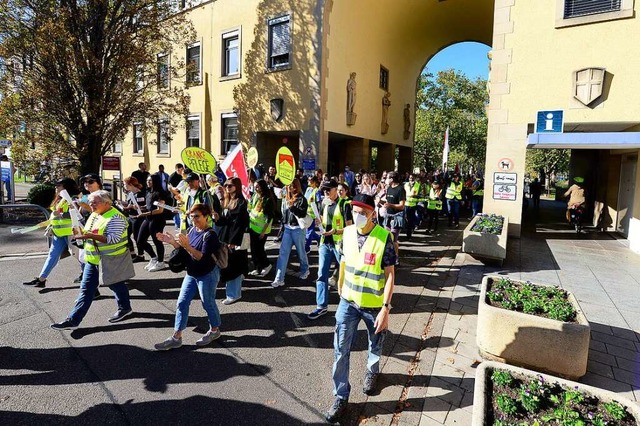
(468,57)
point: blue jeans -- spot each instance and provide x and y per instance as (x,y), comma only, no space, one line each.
(291,237)
(326,254)
(206,286)
(476,205)
(234,287)
(311,236)
(454,210)
(58,246)
(347,318)
(88,287)
(176,221)
(7,185)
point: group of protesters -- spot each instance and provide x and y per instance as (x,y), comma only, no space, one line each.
(354,218)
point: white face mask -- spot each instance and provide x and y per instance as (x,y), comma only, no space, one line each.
(327,201)
(193,192)
(360,220)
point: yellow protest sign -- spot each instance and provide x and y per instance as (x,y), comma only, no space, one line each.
(285,165)
(252,157)
(198,160)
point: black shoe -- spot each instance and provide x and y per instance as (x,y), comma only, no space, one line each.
(369,386)
(337,410)
(78,280)
(64,325)
(96,294)
(457,225)
(120,315)
(138,259)
(36,283)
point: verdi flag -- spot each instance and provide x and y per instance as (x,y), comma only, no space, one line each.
(445,151)
(234,166)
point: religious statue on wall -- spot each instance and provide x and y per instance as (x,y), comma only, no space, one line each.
(407,121)
(351,100)
(386,103)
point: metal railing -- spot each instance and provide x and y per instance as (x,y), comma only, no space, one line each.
(44,211)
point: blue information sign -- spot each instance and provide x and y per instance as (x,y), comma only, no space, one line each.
(550,121)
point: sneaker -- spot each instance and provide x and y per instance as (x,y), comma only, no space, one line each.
(78,280)
(277,284)
(64,325)
(265,271)
(36,283)
(317,313)
(333,282)
(303,276)
(120,315)
(170,343)
(230,300)
(150,264)
(137,259)
(254,273)
(209,337)
(158,266)
(337,410)
(369,385)
(96,294)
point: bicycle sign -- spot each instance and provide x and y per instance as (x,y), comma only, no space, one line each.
(502,191)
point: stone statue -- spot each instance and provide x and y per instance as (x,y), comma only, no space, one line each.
(386,103)
(407,121)
(351,99)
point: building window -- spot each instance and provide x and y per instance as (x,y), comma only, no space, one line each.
(117,147)
(575,8)
(384,78)
(229,132)
(231,52)
(163,136)
(279,42)
(138,147)
(193,130)
(194,64)
(163,71)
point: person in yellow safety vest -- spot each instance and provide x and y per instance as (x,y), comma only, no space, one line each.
(261,216)
(193,194)
(366,287)
(107,258)
(336,215)
(312,195)
(454,197)
(477,195)
(60,227)
(413,190)
(434,206)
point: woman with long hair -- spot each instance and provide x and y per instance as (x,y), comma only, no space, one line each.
(367,187)
(153,223)
(261,215)
(233,223)
(294,206)
(60,225)
(202,276)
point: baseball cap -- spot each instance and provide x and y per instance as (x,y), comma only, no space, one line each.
(192,176)
(363,200)
(328,184)
(91,176)
(65,182)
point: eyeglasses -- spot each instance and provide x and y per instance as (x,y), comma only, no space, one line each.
(94,202)
(195,216)
(229,186)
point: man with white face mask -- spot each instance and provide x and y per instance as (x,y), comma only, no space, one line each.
(335,216)
(194,195)
(365,287)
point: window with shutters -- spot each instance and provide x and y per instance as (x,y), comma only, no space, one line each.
(229,132)
(194,65)
(193,130)
(231,54)
(138,147)
(578,12)
(163,136)
(279,43)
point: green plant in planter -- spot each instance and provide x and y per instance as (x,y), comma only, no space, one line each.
(489,224)
(550,302)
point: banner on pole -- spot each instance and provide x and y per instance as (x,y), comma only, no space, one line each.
(234,166)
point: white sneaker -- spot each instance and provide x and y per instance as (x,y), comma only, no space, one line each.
(158,266)
(150,265)
(230,300)
(333,282)
(303,276)
(277,284)
(265,271)
(254,273)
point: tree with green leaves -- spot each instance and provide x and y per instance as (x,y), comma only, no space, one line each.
(450,99)
(545,164)
(78,73)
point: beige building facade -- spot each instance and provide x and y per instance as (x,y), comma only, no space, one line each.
(335,81)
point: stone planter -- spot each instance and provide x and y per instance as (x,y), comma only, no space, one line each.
(531,341)
(486,246)
(482,391)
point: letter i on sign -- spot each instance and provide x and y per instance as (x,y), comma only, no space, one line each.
(549,122)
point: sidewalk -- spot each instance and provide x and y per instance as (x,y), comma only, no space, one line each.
(598,268)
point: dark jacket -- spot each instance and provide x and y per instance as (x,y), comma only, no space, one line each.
(234,223)
(298,209)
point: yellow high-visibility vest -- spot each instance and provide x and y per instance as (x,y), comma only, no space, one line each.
(98,225)
(257,218)
(61,225)
(454,191)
